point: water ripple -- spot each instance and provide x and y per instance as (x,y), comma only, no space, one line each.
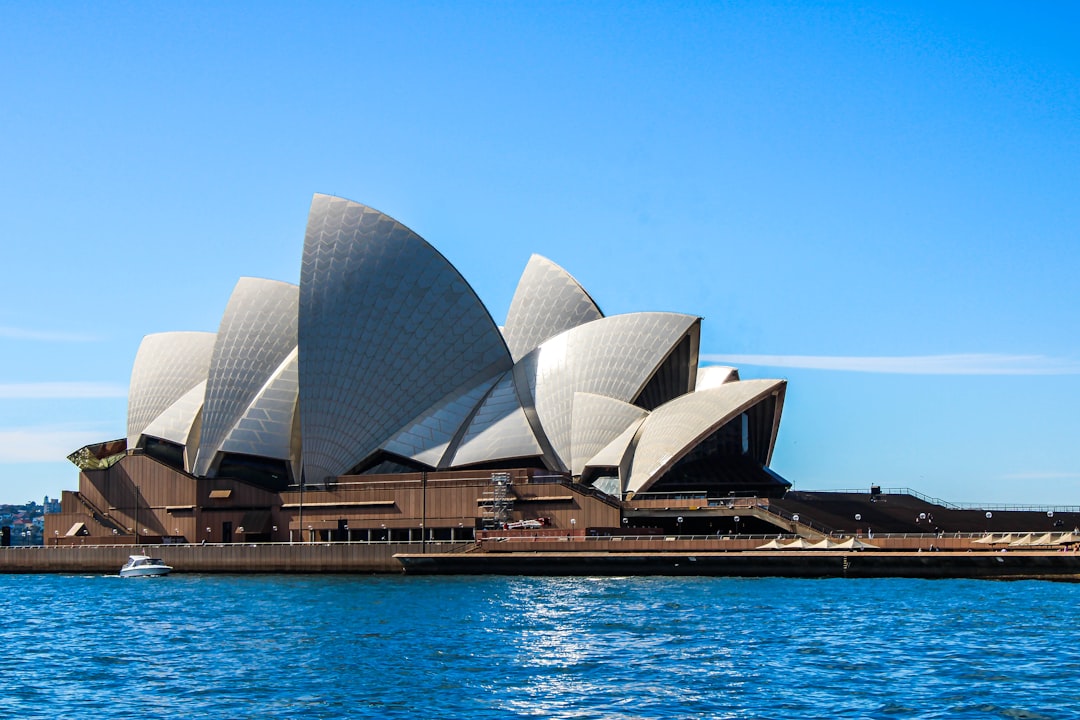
(492,647)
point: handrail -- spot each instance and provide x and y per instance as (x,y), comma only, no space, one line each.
(408,478)
(100,516)
(1004,507)
(892,491)
(470,545)
(461,545)
(790,517)
(668,496)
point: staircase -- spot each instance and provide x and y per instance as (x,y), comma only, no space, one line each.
(100,517)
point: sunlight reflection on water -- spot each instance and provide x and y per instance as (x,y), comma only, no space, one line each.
(491,647)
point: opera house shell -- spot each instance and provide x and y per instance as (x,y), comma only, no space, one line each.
(384,362)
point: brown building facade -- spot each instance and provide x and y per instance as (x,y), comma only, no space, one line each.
(140,498)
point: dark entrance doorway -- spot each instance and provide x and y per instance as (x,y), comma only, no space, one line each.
(226,531)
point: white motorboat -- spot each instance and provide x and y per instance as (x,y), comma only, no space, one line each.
(144,566)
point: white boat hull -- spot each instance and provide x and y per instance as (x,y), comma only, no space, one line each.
(144,566)
(146,571)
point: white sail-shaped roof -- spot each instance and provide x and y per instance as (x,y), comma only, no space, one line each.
(387,328)
(615,453)
(711,376)
(179,423)
(674,429)
(548,301)
(385,360)
(427,438)
(597,420)
(266,427)
(167,366)
(257,334)
(615,356)
(499,430)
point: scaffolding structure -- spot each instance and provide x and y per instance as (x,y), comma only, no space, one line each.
(500,501)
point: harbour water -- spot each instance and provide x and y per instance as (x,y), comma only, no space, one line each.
(266,646)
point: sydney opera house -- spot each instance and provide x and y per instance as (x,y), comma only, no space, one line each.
(379,399)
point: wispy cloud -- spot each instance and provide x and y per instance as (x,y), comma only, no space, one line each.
(61,390)
(14,333)
(968,364)
(45,443)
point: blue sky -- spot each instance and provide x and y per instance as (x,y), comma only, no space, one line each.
(877,202)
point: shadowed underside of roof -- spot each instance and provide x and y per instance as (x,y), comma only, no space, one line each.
(699,426)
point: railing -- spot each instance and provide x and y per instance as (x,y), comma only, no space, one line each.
(692,495)
(625,538)
(100,516)
(593,492)
(720,540)
(700,499)
(1004,507)
(790,517)
(459,544)
(630,497)
(763,537)
(894,491)
(465,546)
(548,479)
(412,479)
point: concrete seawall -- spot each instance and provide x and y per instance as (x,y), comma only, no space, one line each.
(450,558)
(232,558)
(805,563)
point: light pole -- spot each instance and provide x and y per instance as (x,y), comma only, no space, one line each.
(300,523)
(858,519)
(136,503)
(988,516)
(736,519)
(678,522)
